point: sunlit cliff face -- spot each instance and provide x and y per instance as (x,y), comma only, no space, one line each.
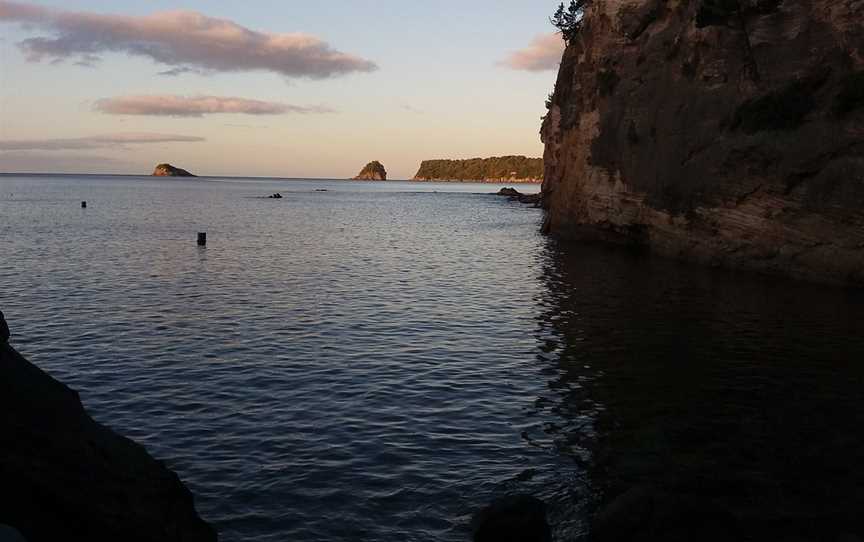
(711,137)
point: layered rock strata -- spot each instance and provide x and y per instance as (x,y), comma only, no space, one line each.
(726,132)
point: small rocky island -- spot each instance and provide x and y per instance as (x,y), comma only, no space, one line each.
(66,477)
(167,170)
(374,171)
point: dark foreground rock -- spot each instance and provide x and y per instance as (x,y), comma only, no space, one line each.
(167,170)
(725,133)
(65,477)
(515,518)
(515,195)
(644,514)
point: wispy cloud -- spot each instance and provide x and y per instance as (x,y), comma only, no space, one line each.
(197,106)
(182,70)
(186,39)
(94,142)
(542,54)
(48,162)
(412,109)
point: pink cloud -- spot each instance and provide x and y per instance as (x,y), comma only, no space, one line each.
(542,54)
(185,39)
(94,142)
(197,106)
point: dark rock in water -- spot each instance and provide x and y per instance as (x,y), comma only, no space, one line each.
(515,195)
(167,170)
(4,329)
(515,518)
(64,476)
(727,133)
(277,195)
(374,171)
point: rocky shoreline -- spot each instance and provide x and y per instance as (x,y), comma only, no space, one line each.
(66,477)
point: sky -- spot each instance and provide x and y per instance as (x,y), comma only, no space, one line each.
(274,88)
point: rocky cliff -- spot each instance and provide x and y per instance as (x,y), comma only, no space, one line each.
(498,169)
(167,170)
(66,477)
(727,132)
(373,171)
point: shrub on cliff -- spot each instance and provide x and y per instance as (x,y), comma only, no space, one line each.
(568,20)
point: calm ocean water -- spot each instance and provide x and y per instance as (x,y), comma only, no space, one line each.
(379,360)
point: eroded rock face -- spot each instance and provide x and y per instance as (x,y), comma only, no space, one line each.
(167,170)
(374,171)
(732,137)
(66,477)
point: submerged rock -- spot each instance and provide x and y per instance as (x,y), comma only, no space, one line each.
(374,171)
(66,477)
(726,133)
(167,170)
(515,518)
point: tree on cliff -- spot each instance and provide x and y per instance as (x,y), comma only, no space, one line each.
(568,20)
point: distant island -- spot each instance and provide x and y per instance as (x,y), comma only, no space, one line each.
(511,169)
(167,170)
(374,171)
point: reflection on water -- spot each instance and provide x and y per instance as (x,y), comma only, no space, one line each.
(711,405)
(378,361)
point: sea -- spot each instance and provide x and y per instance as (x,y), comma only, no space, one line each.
(381,360)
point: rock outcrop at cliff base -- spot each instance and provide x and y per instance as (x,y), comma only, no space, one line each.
(65,477)
(167,170)
(726,133)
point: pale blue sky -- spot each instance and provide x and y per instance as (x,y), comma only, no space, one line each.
(439,91)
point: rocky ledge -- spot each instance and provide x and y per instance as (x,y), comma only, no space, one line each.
(726,133)
(167,170)
(66,477)
(514,195)
(374,171)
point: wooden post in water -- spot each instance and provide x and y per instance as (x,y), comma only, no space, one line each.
(83,204)
(202,239)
